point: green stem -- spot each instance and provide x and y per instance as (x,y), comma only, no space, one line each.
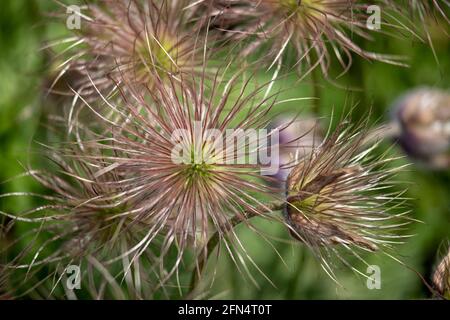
(216,237)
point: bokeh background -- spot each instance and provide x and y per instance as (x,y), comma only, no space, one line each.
(25,70)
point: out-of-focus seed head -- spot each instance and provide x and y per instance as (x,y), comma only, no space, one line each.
(131,41)
(315,29)
(340,198)
(423,117)
(441,277)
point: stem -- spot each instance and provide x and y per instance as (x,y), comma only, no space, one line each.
(216,237)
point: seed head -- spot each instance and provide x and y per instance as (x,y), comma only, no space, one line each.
(340,199)
(314,29)
(131,41)
(171,152)
(169,168)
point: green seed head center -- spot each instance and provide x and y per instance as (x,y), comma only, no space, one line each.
(298,8)
(155,55)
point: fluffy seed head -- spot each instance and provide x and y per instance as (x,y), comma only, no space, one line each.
(136,173)
(315,29)
(125,197)
(189,194)
(131,40)
(340,197)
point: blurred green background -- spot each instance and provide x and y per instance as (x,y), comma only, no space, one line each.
(24,70)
